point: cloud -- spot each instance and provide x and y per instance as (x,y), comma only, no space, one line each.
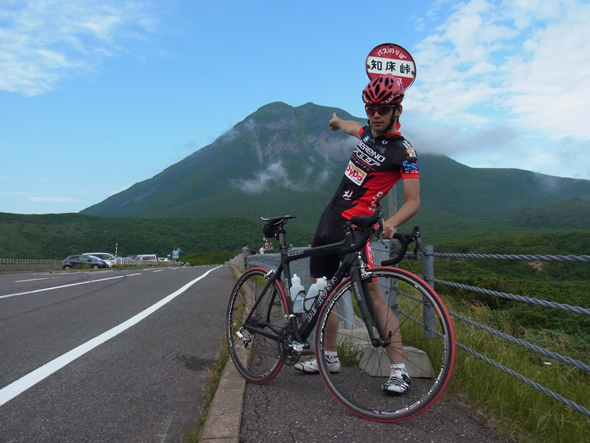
(238,130)
(44,41)
(525,63)
(35,197)
(450,138)
(275,175)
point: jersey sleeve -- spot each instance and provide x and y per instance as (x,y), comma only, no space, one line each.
(410,167)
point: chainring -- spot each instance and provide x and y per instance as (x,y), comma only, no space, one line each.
(285,344)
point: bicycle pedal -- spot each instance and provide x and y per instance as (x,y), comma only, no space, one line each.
(299,347)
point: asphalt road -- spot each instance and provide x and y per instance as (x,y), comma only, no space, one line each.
(107,356)
(298,408)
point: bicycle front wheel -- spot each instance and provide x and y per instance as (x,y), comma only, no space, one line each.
(254,319)
(428,346)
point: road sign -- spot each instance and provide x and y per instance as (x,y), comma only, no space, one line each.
(389,58)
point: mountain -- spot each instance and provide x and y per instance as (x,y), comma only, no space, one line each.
(278,160)
(285,160)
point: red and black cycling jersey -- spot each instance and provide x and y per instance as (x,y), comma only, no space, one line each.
(375,166)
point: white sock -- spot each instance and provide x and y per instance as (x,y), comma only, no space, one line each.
(398,367)
(331,355)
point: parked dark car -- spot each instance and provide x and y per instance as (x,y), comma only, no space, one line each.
(79,260)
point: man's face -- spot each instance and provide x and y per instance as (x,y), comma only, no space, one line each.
(379,117)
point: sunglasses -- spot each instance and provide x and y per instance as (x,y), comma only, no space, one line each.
(381,110)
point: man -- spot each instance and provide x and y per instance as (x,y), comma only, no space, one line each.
(268,247)
(381,158)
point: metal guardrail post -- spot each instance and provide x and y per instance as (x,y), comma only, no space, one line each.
(428,264)
(389,290)
(428,274)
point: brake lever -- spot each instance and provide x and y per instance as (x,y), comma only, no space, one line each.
(418,238)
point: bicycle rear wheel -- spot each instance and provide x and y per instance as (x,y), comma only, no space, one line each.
(254,320)
(428,348)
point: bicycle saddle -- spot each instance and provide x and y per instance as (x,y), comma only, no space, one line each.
(278,220)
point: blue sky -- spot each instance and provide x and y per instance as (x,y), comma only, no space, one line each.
(96,95)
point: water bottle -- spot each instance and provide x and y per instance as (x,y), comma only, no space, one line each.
(297,292)
(314,292)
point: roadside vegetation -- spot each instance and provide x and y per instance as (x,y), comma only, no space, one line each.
(517,410)
(55,236)
(213,377)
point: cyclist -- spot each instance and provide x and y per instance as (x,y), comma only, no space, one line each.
(381,158)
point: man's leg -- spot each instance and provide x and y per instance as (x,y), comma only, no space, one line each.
(399,379)
(389,323)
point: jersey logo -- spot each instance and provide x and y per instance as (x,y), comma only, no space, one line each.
(347,195)
(355,174)
(409,150)
(410,167)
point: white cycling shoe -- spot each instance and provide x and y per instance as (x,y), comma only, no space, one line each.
(311,366)
(398,382)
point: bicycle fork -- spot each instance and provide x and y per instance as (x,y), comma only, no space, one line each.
(362,293)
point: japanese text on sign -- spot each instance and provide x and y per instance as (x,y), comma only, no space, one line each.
(399,68)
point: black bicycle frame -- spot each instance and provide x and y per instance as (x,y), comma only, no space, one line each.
(350,263)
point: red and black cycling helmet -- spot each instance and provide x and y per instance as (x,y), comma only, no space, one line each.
(385,90)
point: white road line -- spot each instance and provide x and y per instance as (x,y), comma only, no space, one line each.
(22,384)
(31,279)
(66,286)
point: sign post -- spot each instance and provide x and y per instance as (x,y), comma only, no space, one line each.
(389,58)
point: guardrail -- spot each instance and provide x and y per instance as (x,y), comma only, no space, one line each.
(24,264)
(427,256)
(428,270)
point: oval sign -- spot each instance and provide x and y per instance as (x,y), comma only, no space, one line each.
(389,58)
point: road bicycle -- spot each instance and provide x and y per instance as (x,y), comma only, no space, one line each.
(264,333)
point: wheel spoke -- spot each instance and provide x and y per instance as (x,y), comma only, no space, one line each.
(253,321)
(423,326)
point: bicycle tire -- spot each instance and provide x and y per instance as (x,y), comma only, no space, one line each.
(428,360)
(256,356)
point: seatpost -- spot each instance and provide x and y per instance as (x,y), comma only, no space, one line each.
(282,239)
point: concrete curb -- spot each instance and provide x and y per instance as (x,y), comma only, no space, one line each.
(225,414)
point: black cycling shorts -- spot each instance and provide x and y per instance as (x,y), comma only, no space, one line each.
(331,230)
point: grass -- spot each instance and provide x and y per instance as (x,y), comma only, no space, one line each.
(516,409)
(214,372)
(349,353)
(213,377)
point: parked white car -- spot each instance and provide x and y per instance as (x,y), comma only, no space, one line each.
(147,257)
(109,258)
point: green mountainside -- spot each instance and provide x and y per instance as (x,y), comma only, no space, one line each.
(285,160)
(278,160)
